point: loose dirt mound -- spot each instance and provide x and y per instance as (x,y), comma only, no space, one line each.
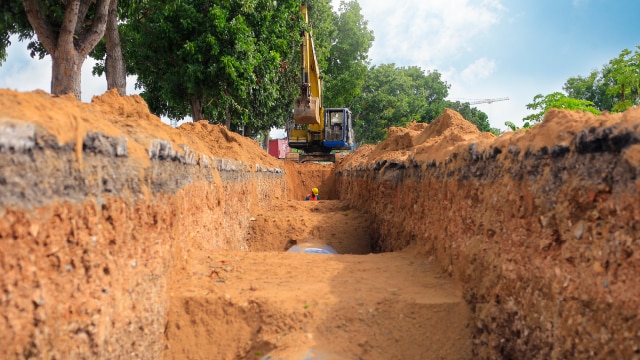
(125,116)
(451,133)
(421,141)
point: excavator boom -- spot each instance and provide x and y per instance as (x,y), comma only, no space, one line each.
(316,131)
(307,106)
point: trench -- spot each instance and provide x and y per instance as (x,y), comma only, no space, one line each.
(268,303)
(123,238)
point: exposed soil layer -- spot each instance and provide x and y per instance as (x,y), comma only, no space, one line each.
(121,237)
(284,224)
(539,226)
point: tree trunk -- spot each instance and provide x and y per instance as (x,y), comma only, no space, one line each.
(227,120)
(196,108)
(115,69)
(265,140)
(68,47)
(66,72)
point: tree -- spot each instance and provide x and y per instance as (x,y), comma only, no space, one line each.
(115,69)
(13,21)
(67,31)
(348,56)
(108,52)
(322,25)
(393,96)
(223,61)
(591,88)
(556,100)
(514,127)
(625,73)
(614,87)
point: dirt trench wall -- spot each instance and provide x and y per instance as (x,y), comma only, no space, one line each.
(90,234)
(545,242)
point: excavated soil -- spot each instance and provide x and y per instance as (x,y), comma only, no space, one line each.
(121,237)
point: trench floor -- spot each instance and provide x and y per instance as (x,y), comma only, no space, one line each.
(272,304)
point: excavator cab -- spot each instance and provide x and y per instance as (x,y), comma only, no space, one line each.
(338,134)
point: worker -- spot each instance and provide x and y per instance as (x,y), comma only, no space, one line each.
(313,196)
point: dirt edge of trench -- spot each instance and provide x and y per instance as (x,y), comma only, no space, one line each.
(100,202)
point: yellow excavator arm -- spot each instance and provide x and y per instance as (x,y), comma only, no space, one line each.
(308,106)
(316,131)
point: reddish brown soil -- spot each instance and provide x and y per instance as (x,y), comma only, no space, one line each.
(538,225)
(121,237)
(178,251)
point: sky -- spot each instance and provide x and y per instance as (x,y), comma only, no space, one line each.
(484,49)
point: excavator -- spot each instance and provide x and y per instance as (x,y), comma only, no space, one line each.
(316,131)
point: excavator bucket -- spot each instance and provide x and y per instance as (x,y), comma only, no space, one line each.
(306,111)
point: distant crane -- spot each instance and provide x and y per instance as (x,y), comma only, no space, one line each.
(485,101)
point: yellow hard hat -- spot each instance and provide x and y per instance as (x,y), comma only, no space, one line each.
(315,191)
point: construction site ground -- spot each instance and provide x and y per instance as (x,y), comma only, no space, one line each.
(121,237)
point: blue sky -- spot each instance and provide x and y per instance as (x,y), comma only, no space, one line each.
(483,48)
(499,48)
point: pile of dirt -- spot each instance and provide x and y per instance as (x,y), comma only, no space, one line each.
(419,141)
(563,129)
(451,133)
(69,120)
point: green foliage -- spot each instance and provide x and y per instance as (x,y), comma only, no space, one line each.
(347,64)
(322,22)
(232,58)
(614,88)
(591,88)
(625,73)
(393,96)
(13,21)
(556,100)
(513,127)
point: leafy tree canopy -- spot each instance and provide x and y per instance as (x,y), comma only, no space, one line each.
(13,21)
(613,88)
(394,96)
(348,56)
(556,100)
(397,96)
(224,60)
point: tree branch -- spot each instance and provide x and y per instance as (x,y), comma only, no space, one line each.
(89,39)
(41,25)
(67,29)
(82,13)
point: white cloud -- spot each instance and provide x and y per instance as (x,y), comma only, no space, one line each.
(22,73)
(479,69)
(427,33)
